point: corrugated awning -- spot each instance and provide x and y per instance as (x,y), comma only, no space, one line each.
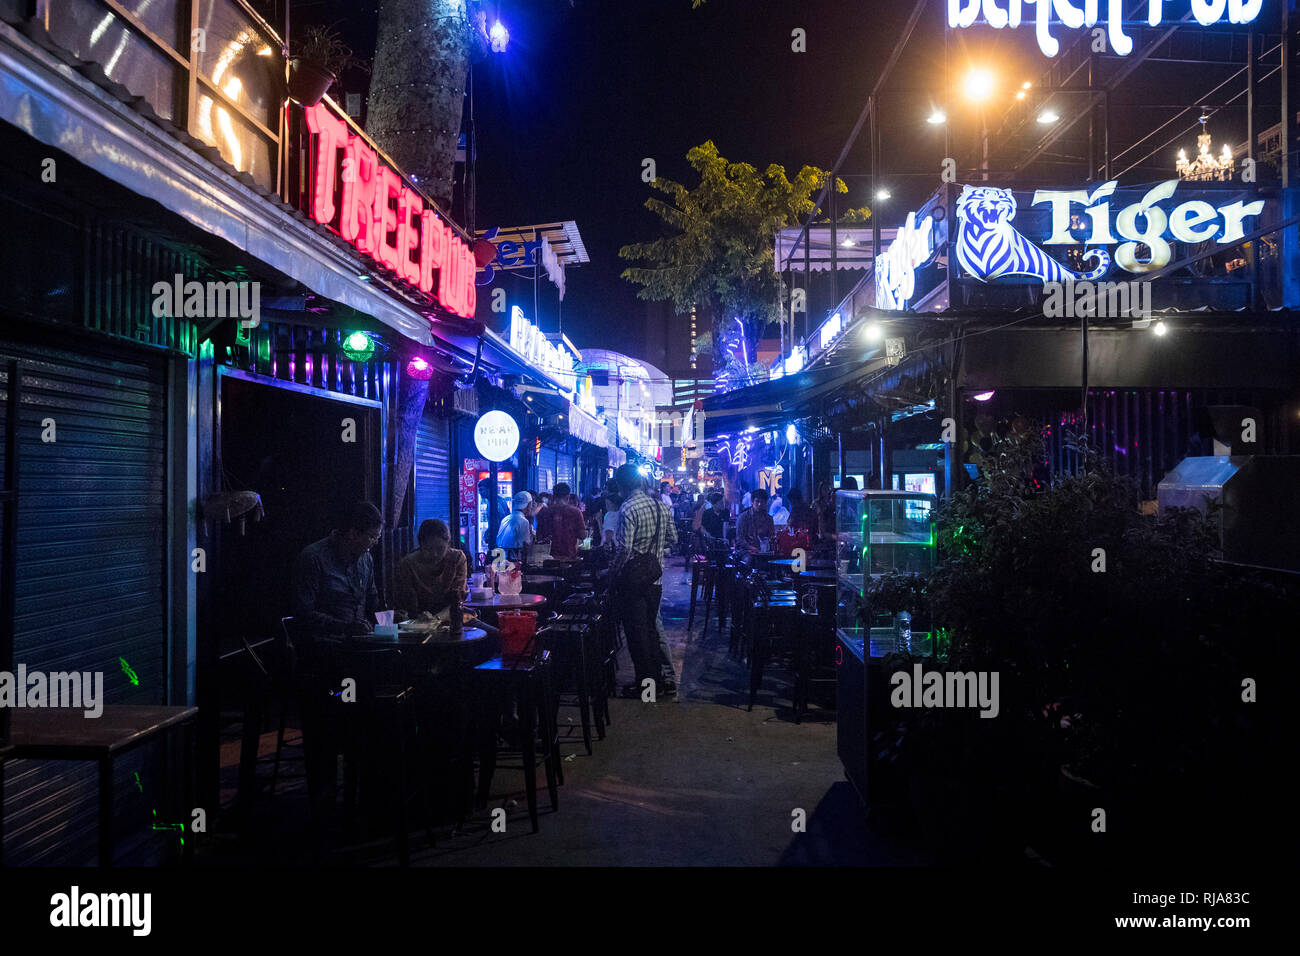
(853,248)
(771,405)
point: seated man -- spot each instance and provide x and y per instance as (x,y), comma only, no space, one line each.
(432,575)
(754,524)
(711,522)
(561,524)
(333,594)
(334,579)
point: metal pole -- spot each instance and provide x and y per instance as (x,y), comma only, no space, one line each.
(835,238)
(471,156)
(807,272)
(1084,374)
(875,220)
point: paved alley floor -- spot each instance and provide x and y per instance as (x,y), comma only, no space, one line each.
(699,781)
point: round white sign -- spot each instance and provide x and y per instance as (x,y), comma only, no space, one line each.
(496,436)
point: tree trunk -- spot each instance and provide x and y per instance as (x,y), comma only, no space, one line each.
(417,89)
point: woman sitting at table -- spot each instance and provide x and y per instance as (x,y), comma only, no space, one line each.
(432,575)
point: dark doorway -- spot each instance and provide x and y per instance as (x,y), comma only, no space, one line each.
(287,446)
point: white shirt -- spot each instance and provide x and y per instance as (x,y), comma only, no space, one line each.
(515,531)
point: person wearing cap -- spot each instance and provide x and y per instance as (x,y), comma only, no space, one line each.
(516,531)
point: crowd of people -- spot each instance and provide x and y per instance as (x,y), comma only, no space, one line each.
(630,528)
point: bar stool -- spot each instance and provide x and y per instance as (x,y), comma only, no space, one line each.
(527,679)
(815,653)
(571,640)
(715,589)
(376,729)
(698,565)
(740,600)
(775,616)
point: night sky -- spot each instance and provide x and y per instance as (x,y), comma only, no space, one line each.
(587,90)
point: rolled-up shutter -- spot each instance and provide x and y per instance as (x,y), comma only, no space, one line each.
(432,471)
(564,470)
(90,581)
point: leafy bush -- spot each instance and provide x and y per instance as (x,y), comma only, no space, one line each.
(1121,643)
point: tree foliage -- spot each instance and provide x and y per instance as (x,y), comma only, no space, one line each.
(718,253)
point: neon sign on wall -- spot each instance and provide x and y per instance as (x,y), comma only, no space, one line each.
(1009,13)
(990,246)
(912,248)
(367,203)
(529,341)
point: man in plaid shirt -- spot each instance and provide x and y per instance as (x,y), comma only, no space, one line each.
(639,608)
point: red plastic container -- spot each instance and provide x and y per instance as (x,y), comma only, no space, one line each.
(518,629)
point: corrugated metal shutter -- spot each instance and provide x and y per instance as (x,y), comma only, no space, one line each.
(564,470)
(90,580)
(546,465)
(432,471)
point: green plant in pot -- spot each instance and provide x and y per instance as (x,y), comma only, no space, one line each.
(319,57)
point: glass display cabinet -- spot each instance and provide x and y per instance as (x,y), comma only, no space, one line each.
(876,532)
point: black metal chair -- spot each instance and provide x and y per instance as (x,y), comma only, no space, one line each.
(773,614)
(571,639)
(815,654)
(377,722)
(527,680)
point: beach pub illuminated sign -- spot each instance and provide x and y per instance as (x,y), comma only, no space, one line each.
(1139,225)
(367,203)
(1085,14)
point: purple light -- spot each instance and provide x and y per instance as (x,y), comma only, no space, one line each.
(419,369)
(982,396)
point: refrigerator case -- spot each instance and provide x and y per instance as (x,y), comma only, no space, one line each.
(876,532)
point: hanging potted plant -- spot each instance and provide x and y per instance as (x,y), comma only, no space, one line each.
(319,57)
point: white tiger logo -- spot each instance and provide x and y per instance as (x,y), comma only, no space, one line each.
(989,247)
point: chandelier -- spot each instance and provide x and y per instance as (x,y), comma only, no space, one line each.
(1205,167)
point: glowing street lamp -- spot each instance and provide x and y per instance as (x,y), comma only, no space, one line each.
(883,194)
(873,332)
(1048,116)
(499,36)
(937,117)
(978,85)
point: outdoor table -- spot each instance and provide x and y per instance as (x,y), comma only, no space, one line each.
(431,647)
(503,602)
(536,579)
(507,602)
(67,734)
